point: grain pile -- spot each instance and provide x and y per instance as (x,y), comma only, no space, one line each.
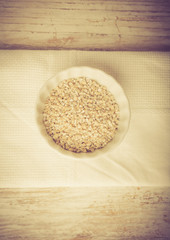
(81,115)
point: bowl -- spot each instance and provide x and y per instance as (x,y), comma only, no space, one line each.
(102,78)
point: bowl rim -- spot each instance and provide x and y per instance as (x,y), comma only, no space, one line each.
(38,112)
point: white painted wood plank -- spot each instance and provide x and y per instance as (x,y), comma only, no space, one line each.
(111,25)
(85,213)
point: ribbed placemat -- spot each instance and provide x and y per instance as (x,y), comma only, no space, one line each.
(26,160)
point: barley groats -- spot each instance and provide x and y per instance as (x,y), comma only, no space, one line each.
(81,115)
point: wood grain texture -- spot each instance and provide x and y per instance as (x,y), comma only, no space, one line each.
(87,25)
(85,213)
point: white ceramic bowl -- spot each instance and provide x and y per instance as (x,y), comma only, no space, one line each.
(103,79)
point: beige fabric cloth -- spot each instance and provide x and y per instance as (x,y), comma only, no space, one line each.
(143,158)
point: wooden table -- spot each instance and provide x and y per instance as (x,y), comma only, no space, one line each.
(87,25)
(104,213)
(109,213)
